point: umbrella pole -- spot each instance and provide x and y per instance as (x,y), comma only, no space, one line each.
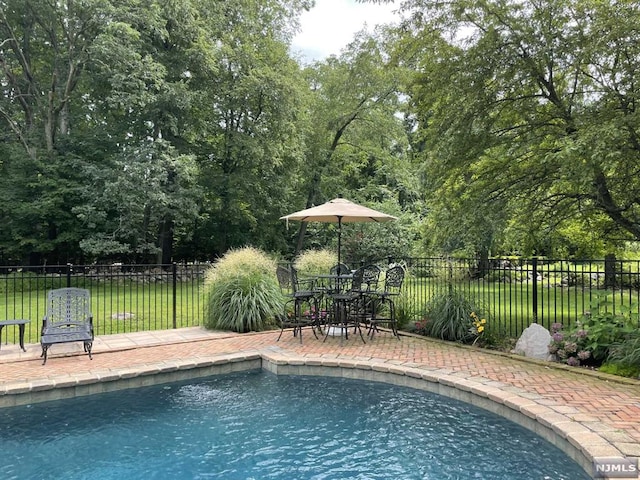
(339,237)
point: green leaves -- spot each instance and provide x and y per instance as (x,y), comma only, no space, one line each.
(526,112)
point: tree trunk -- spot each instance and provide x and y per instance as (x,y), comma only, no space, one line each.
(165,241)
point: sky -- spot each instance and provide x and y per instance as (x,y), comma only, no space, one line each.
(332,24)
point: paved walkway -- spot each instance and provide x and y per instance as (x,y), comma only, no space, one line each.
(598,414)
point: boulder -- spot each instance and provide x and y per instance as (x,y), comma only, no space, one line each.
(534,342)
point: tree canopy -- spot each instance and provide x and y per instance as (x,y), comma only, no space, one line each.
(161,131)
(527,111)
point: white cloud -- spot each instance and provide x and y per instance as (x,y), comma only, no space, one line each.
(332,24)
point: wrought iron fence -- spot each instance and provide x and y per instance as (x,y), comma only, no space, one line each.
(514,292)
(517,292)
(124,298)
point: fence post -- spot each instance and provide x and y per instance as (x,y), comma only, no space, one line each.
(69,269)
(175,294)
(534,264)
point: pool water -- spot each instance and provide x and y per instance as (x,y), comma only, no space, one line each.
(257,425)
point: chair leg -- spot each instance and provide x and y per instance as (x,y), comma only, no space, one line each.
(45,349)
(394,321)
(390,321)
(87,348)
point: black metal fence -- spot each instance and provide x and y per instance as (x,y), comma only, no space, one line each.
(514,292)
(517,292)
(124,298)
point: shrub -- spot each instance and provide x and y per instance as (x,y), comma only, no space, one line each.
(590,341)
(496,338)
(405,310)
(241,292)
(570,347)
(627,351)
(315,262)
(622,370)
(449,317)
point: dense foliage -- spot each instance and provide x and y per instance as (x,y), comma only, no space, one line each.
(526,118)
(160,131)
(452,316)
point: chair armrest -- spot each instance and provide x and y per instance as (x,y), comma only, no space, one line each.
(306,284)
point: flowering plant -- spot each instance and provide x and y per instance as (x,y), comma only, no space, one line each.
(477,326)
(570,347)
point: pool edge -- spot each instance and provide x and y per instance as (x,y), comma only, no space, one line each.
(578,442)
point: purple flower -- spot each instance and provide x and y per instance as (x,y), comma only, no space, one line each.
(561,353)
(558,337)
(556,327)
(582,333)
(584,354)
(573,361)
(571,347)
(553,348)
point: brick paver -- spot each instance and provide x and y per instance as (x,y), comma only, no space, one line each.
(606,409)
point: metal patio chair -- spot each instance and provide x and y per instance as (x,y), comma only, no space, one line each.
(302,308)
(68,318)
(383,302)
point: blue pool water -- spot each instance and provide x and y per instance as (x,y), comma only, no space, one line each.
(257,425)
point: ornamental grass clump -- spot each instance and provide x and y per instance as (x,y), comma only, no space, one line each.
(451,316)
(315,262)
(242,292)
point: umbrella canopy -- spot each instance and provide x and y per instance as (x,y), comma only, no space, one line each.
(339,210)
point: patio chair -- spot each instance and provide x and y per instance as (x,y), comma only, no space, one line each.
(68,318)
(302,308)
(339,269)
(348,307)
(360,306)
(383,304)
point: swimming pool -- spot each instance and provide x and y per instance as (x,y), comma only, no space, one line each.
(257,425)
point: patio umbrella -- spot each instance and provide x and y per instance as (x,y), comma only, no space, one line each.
(339,210)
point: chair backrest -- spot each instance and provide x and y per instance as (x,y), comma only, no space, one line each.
(300,284)
(284,278)
(370,276)
(68,306)
(365,279)
(393,279)
(339,269)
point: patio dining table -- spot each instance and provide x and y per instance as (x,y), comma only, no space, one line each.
(332,283)
(337,295)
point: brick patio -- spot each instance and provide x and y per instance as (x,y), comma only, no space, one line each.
(587,414)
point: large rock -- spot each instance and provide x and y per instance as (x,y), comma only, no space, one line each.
(534,342)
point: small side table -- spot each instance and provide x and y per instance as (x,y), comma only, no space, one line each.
(21,324)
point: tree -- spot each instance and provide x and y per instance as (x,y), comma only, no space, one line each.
(98,88)
(128,203)
(528,111)
(356,144)
(251,121)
